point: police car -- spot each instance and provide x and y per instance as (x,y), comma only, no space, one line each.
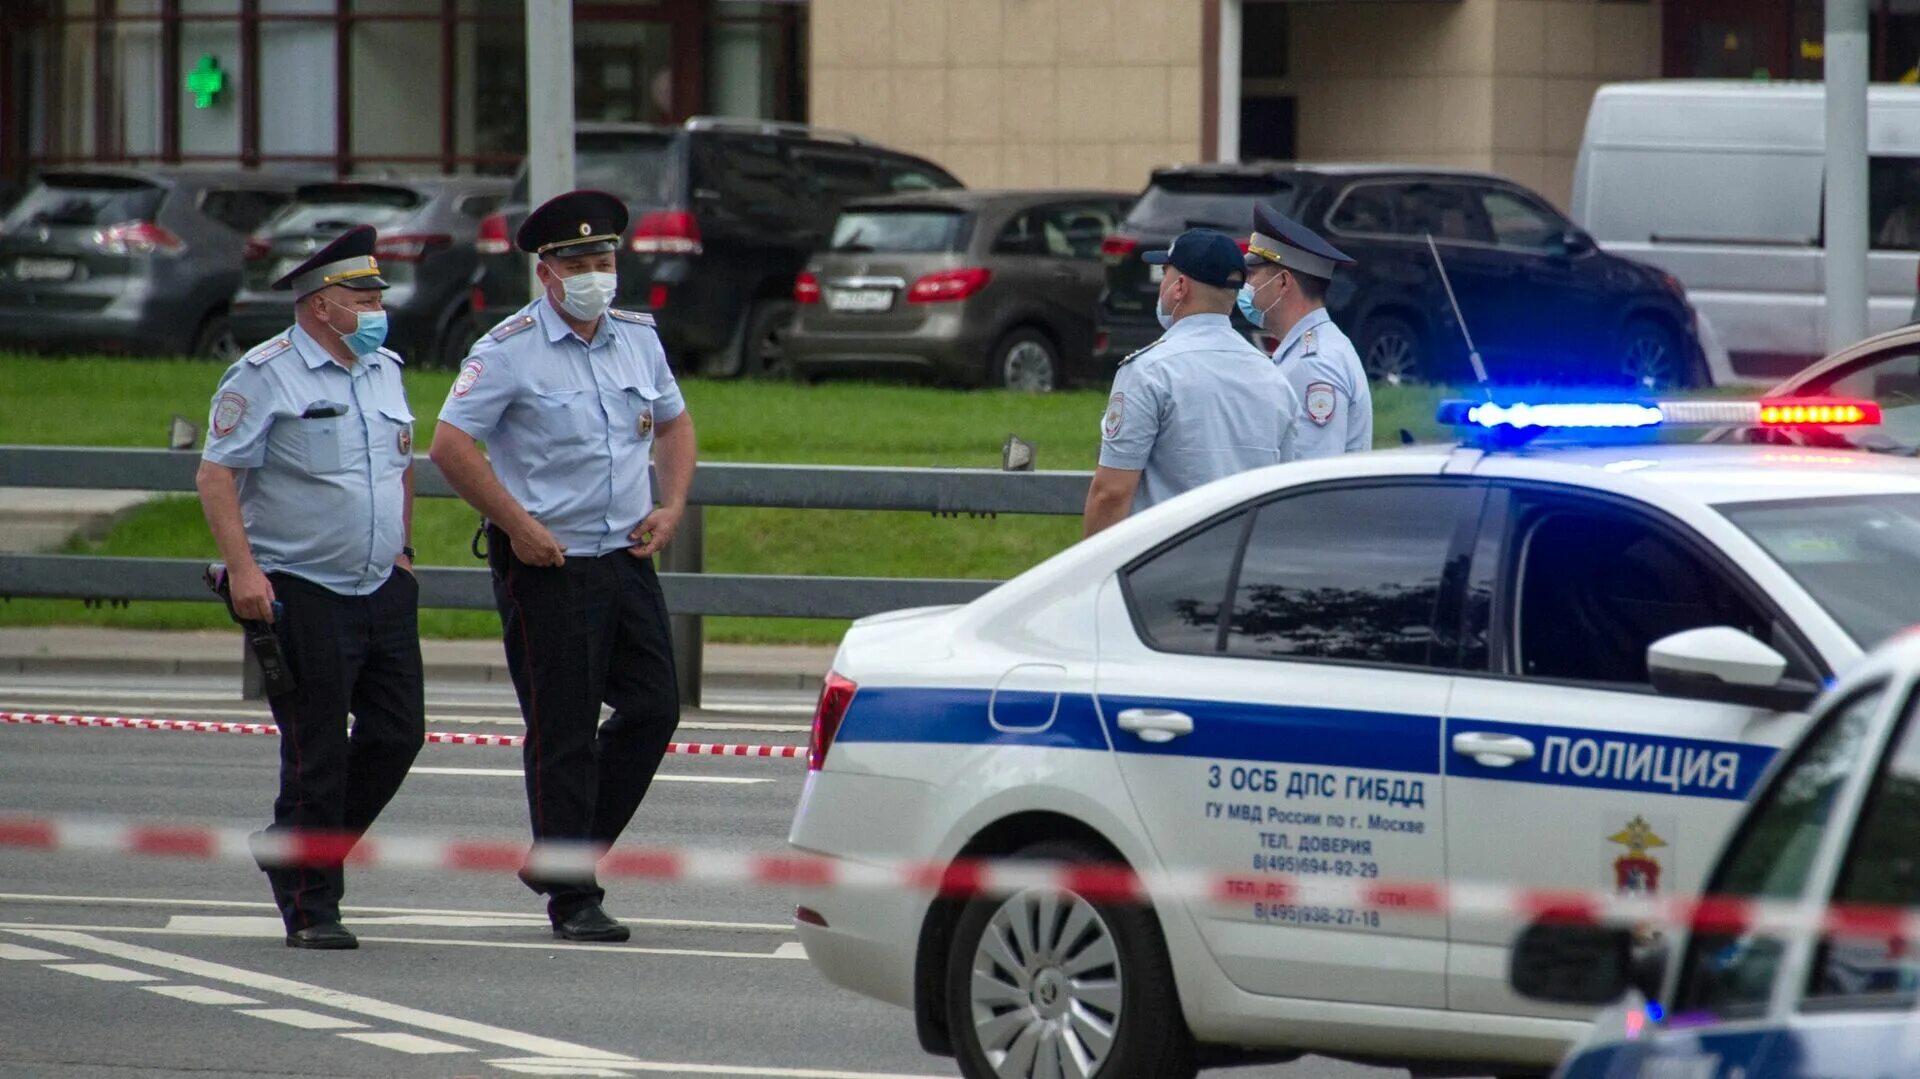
(1532,663)
(1833,826)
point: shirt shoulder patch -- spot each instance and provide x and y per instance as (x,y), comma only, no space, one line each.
(391,355)
(630,316)
(1139,352)
(267,350)
(516,324)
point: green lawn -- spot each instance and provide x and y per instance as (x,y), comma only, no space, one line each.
(103,402)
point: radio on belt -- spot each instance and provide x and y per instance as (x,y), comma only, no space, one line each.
(276,677)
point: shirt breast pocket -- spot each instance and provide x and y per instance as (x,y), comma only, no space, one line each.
(320,444)
(395,432)
(565,417)
(637,404)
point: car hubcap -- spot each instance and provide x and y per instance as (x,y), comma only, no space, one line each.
(773,352)
(1046,988)
(1650,363)
(1029,367)
(1390,359)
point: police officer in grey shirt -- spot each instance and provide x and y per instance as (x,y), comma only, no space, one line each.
(1288,270)
(1200,403)
(307,484)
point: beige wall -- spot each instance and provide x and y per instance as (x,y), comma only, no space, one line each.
(1014,93)
(1492,84)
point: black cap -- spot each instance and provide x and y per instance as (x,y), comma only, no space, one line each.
(580,222)
(1209,257)
(1282,241)
(347,261)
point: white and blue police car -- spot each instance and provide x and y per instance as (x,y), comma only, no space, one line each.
(1832,829)
(1526,663)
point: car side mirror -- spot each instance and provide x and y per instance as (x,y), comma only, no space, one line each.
(1727,666)
(1576,242)
(1571,964)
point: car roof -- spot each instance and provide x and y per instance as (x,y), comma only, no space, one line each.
(187,175)
(976,198)
(1338,169)
(1714,473)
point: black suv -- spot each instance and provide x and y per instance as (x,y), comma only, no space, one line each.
(1543,303)
(130,260)
(426,251)
(724,216)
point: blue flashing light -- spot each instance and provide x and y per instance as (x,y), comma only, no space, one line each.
(1655,1012)
(1589,415)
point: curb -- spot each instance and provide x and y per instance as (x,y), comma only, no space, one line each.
(439,672)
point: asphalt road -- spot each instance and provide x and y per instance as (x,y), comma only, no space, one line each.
(162,967)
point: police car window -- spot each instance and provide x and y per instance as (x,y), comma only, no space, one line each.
(1177,595)
(1858,556)
(1881,869)
(1349,574)
(1769,858)
(1596,586)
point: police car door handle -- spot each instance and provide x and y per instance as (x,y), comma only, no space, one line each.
(1156,725)
(1493,750)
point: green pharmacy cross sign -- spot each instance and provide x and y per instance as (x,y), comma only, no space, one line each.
(205,82)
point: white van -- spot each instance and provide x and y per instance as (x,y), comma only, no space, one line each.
(1720,184)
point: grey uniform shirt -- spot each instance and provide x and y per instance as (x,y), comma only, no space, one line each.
(1195,406)
(1336,405)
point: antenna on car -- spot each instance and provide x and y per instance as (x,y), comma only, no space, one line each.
(1473,354)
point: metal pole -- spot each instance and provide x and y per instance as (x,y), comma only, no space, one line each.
(687,554)
(549,104)
(1846,225)
(1227,123)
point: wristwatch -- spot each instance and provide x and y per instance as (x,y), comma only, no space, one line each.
(408,551)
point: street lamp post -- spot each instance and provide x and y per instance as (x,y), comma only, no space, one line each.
(1846,198)
(549,103)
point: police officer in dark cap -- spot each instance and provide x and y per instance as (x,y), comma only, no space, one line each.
(572,396)
(307,485)
(1288,271)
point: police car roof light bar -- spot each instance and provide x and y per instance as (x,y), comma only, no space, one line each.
(1630,415)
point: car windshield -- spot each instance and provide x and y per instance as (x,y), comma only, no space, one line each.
(1174,204)
(1858,556)
(84,201)
(338,209)
(899,231)
(635,165)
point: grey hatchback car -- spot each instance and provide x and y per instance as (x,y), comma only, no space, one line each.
(125,260)
(989,288)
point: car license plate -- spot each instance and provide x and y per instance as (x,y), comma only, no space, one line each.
(1156,271)
(860,300)
(42,269)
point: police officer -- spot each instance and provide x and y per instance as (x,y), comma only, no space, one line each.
(570,396)
(1288,270)
(307,485)
(1198,404)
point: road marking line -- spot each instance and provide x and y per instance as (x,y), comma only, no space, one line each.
(515,773)
(545,1068)
(199,994)
(302,1018)
(407,1043)
(239,904)
(792,949)
(529,1064)
(105,972)
(243,925)
(26,954)
(442,942)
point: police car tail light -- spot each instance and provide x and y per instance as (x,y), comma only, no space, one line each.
(1818,412)
(806,288)
(667,232)
(835,696)
(493,239)
(138,238)
(948,285)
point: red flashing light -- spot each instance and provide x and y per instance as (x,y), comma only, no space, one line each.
(806,288)
(835,697)
(493,238)
(1818,412)
(948,285)
(667,232)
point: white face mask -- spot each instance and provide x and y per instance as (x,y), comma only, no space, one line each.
(586,295)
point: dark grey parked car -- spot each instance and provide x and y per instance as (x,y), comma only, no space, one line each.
(426,252)
(124,260)
(990,288)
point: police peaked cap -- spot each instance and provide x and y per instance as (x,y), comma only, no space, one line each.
(347,261)
(1282,241)
(580,222)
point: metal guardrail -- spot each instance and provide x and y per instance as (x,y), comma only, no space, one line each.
(690,591)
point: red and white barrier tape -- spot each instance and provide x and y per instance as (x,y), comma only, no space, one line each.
(451,738)
(958,879)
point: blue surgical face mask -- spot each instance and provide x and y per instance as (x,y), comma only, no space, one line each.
(1249,306)
(369,333)
(1159,312)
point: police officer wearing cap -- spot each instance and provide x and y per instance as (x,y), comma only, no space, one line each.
(571,396)
(307,485)
(1288,270)
(1196,405)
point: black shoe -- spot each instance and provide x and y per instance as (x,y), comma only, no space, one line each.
(331,937)
(591,923)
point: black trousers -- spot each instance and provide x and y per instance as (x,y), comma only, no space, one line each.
(351,654)
(578,635)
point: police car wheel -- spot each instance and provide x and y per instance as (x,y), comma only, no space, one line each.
(1026,360)
(1050,983)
